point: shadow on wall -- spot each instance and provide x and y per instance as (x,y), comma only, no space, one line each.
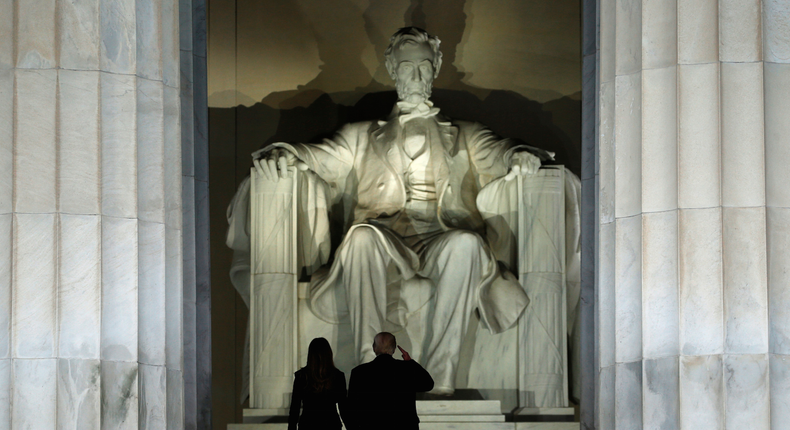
(554,126)
(314,111)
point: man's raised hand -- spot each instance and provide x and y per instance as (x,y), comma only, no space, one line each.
(406,356)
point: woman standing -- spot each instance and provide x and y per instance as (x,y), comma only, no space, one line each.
(318,387)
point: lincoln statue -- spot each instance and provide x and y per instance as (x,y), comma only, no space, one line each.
(411,185)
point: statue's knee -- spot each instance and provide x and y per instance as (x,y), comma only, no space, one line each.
(464,239)
(361,236)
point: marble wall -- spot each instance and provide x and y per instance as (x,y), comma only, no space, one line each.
(691,268)
(92,262)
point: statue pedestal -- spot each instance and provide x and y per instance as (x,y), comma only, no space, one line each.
(439,415)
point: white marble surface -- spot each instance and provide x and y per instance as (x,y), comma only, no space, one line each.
(698,31)
(6,366)
(628,396)
(79,394)
(175,399)
(776,33)
(659,162)
(747,392)
(742,134)
(701,284)
(6,137)
(35,30)
(740,31)
(699,148)
(628,32)
(780,390)
(79,286)
(34,289)
(118,36)
(6,305)
(150,151)
(701,392)
(174,303)
(607,40)
(35,394)
(148,16)
(661,394)
(78,142)
(78,24)
(659,34)
(119,145)
(606,159)
(119,394)
(745,280)
(605,415)
(34,137)
(606,295)
(172,158)
(119,289)
(628,145)
(777,151)
(628,289)
(170,43)
(153,397)
(778,247)
(151,291)
(660,315)
(6,36)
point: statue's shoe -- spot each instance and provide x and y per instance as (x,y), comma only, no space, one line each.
(442,391)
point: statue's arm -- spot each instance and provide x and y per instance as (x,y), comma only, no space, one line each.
(494,156)
(330,159)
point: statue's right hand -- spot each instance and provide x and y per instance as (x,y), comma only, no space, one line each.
(274,164)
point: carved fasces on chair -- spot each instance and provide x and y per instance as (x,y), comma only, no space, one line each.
(273,295)
(543,358)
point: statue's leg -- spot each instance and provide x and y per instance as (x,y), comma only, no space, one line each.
(455,263)
(365,260)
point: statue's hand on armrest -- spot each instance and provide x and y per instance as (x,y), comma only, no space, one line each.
(523,163)
(274,164)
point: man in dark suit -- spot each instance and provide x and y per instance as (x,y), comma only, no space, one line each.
(381,393)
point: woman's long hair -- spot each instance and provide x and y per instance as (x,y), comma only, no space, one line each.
(320,365)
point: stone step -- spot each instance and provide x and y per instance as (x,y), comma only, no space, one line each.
(462,418)
(439,426)
(458,407)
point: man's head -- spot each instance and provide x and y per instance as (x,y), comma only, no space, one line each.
(384,343)
(413,60)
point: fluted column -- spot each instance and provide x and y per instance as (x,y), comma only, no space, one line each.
(692,279)
(90,215)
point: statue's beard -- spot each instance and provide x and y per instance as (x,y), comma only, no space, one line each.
(413,92)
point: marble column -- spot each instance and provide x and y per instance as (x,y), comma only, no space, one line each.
(693,291)
(90,215)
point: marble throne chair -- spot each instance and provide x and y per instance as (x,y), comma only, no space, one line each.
(533,228)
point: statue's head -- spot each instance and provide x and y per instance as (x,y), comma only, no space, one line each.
(413,60)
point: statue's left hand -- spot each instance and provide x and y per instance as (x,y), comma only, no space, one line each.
(523,163)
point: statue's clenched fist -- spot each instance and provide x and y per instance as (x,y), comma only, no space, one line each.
(274,164)
(523,163)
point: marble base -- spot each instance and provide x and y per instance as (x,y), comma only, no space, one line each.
(439,426)
(544,411)
(440,415)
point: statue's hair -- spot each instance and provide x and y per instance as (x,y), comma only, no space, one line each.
(413,34)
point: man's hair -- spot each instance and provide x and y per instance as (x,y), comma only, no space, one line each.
(412,34)
(384,343)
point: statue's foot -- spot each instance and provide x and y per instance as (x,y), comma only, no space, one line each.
(442,391)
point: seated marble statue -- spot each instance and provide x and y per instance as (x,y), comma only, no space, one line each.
(412,181)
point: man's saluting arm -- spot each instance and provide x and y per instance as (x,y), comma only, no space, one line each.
(421,380)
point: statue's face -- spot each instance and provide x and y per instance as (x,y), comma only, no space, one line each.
(414,71)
